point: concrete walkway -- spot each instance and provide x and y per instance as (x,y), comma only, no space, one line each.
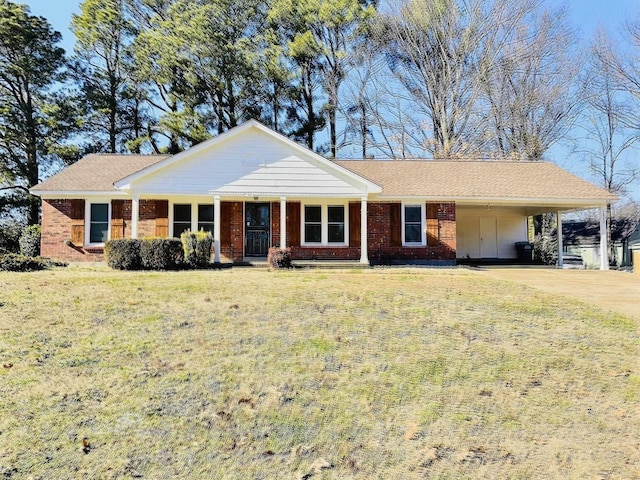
(610,290)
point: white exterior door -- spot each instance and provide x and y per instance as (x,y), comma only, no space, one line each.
(488,237)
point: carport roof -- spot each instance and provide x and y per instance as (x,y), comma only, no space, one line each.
(479,181)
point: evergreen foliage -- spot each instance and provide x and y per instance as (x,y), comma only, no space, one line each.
(30,241)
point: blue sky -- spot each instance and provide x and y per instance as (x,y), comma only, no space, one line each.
(586,16)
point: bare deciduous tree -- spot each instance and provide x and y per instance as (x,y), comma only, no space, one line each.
(531,89)
(439,51)
(608,137)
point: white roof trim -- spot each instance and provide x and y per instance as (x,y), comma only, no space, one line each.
(519,201)
(80,194)
(125,183)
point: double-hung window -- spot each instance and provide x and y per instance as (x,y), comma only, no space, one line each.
(313,224)
(181,218)
(335,226)
(325,225)
(413,227)
(98,222)
(205,218)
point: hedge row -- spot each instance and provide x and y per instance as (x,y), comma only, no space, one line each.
(192,251)
(148,254)
(12,262)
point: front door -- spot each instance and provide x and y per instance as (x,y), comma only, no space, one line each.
(257,221)
(488,237)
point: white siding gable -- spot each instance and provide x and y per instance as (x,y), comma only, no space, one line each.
(250,162)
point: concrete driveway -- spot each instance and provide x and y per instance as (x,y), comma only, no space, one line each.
(610,290)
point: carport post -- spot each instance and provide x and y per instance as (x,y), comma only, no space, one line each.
(604,248)
(559,232)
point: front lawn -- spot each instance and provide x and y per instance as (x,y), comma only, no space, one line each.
(240,374)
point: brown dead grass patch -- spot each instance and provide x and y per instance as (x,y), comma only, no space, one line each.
(311,374)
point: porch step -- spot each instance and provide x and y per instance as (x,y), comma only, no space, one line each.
(324,264)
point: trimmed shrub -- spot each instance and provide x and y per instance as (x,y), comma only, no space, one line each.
(12,262)
(10,233)
(123,254)
(161,253)
(279,258)
(197,248)
(30,241)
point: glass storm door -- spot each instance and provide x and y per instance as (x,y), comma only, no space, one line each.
(257,222)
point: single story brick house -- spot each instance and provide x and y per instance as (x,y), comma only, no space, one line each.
(254,188)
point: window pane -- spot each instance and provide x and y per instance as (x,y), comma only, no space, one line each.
(181,219)
(312,214)
(336,232)
(206,226)
(179,227)
(412,214)
(99,212)
(336,214)
(99,232)
(99,223)
(182,213)
(205,213)
(312,233)
(412,233)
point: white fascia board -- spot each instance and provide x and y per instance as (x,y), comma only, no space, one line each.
(80,194)
(505,201)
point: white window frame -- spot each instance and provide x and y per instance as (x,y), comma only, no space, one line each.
(197,211)
(171,215)
(324,224)
(194,213)
(87,220)
(423,225)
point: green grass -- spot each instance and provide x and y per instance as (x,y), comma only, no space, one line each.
(349,374)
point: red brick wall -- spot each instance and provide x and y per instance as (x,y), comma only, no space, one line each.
(56,232)
(275,224)
(379,234)
(234,250)
(146,219)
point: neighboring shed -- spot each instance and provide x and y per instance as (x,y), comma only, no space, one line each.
(582,238)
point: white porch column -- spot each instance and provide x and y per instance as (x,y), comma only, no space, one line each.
(135,215)
(604,247)
(559,230)
(283,222)
(364,254)
(217,221)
